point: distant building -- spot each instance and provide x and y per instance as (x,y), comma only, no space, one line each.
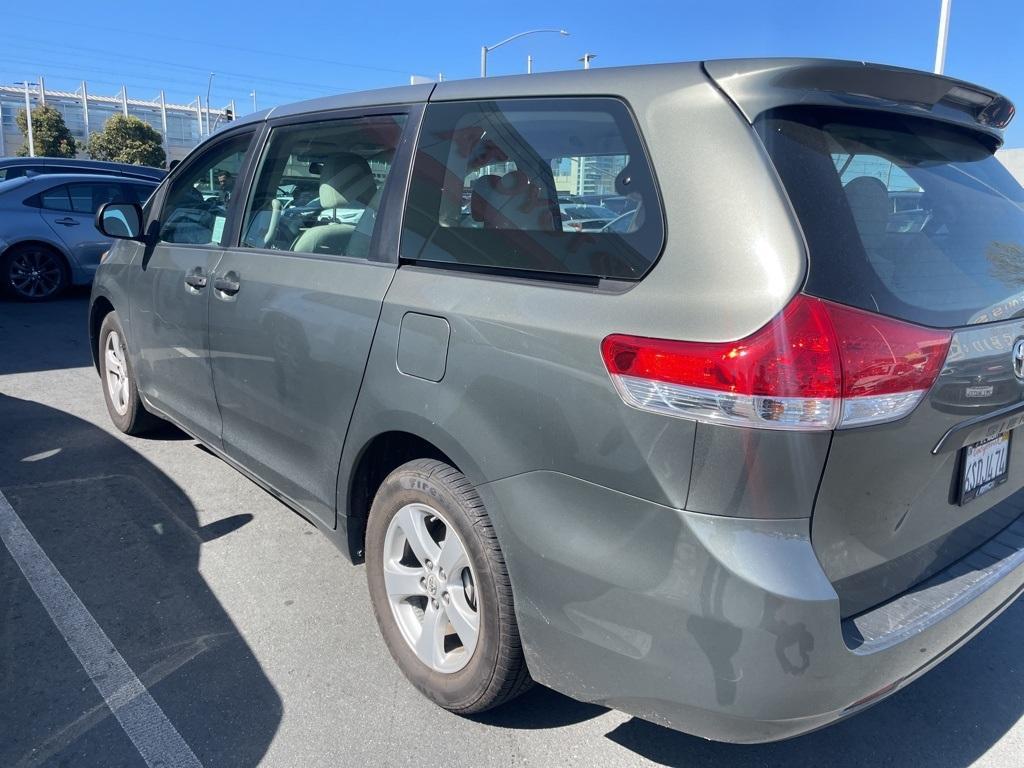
(1013,159)
(181,125)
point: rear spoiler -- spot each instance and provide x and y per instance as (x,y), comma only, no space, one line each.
(757,85)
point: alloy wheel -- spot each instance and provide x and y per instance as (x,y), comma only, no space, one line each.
(431,588)
(35,273)
(117,373)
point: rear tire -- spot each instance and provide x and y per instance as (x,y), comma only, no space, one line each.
(119,388)
(34,272)
(429,507)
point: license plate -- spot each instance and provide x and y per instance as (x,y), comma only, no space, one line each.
(985,465)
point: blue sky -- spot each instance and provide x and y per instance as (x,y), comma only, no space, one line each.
(292,51)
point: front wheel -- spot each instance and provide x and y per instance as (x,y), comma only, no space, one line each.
(119,388)
(440,589)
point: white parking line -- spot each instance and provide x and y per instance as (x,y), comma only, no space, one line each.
(157,740)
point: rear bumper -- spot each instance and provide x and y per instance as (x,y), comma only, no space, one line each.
(722,627)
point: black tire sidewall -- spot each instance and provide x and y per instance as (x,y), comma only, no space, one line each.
(458,691)
(8,261)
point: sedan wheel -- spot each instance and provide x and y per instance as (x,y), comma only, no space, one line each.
(35,273)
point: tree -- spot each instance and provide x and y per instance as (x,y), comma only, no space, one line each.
(127,139)
(50,135)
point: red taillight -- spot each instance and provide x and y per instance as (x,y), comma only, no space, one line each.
(817,365)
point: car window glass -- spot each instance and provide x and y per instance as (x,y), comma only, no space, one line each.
(198,200)
(320,184)
(137,193)
(88,197)
(56,199)
(519,184)
(908,217)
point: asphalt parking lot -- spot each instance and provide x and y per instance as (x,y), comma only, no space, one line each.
(256,640)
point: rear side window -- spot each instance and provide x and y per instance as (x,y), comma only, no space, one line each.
(905,216)
(496,185)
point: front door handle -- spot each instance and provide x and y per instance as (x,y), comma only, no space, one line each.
(67,221)
(196,279)
(228,285)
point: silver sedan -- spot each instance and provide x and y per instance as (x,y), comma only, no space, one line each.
(48,239)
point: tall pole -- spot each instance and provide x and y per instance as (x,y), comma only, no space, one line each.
(485,48)
(124,100)
(529,64)
(254,107)
(163,119)
(586,58)
(42,91)
(199,115)
(3,144)
(209,86)
(28,117)
(940,43)
(85,109)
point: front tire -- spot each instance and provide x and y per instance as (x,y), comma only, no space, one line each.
(440,589)
(119,388)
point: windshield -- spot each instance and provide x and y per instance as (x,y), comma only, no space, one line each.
(905,216)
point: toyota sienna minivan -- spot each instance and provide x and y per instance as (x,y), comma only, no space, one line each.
(743,466)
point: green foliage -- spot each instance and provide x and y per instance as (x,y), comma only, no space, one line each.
(50,135)
(128,140)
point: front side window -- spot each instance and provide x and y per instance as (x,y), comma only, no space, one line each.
(198,200)
(319,186)
(520,185)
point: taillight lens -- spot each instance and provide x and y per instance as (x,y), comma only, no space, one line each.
(815,366)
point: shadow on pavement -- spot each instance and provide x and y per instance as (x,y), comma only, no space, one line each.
(540,708)
(947,719)
(45,337)
(127,540)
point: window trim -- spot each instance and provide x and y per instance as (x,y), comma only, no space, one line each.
(537,277)
(256,135)
(395,189)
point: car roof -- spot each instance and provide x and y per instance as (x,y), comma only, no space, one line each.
(755,85)
(85,177)
(78,162)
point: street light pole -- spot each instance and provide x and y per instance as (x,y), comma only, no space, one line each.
(28,119)
(940,43)
(485,49)
(586,58)
(253,94)
(209,86)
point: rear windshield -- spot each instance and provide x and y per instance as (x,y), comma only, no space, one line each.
(904,216)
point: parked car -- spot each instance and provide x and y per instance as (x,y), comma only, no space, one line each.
(48,237)
(15,167)
(700,470)
(585,218)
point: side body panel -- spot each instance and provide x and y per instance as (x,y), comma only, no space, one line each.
(524,386)
(288,352)
(289,349)
(169,335)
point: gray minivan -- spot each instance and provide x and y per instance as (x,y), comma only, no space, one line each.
(743,466)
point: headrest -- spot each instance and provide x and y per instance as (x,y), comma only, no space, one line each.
(868,198)
(346,178)
(511,201)
(482,189)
